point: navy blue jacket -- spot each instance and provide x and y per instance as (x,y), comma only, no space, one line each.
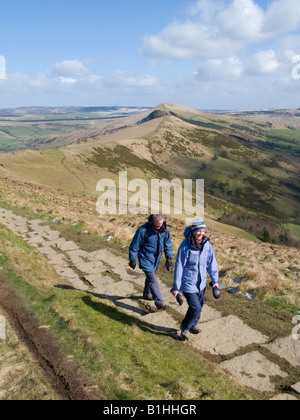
(148,245)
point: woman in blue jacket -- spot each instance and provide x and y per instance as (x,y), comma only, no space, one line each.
(194,259)
(147,245)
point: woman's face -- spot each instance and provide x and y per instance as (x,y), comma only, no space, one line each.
(199,235)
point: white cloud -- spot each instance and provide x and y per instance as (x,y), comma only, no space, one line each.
(282,16)
(264,63)
(2,68)
(243,20)
(205,9)
(229,68)
(189,40)
(125,79)
(70,68)
(48,88)
(217,28)
(69,80)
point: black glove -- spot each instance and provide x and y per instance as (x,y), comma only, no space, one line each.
(178,298)
(216,293)
(132,264)
(169,263)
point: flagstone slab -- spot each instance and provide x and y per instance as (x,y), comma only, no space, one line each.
(90,267)
(37,242)
(162,320)
(66,273)
(113,290)
(52,235)
(47,250)
(287,348)
(36,222)
(78,256)
(68,246)
(130,307)
(284,397)
(77,283)
(226,335)
(209,314)
(255,371)
(105,285)
(296,387)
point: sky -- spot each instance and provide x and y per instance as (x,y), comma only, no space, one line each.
(204,54)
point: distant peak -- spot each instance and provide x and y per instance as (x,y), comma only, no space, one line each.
(156,113)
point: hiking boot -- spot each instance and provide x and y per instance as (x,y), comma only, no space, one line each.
(147,297)
(161,306)
(185,334)
(195,330)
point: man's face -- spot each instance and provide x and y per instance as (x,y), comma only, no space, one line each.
(158,224)
(199,234)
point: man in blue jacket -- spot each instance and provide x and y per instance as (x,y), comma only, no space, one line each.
(194,259)
(147,245)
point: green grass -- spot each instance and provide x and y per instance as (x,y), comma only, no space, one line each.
(20,138)
(49,136)
(294,230)
(19,373)
(121,158)
(285,135)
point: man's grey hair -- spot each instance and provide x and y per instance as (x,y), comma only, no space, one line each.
(158,217)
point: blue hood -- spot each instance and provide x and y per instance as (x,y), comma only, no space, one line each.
(188,232)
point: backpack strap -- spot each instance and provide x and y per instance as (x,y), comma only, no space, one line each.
(144,237)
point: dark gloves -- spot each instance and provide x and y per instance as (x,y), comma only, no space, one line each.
(215,290)
(178,297)
(168,263)
(132,264)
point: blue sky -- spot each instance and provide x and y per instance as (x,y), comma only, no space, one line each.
(206,54)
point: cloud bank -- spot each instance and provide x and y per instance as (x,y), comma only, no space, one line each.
(221,54)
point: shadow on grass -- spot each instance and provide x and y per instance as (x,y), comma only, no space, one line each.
(116,315)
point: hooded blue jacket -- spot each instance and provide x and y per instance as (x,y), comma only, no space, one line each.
(192,265)
(148,245)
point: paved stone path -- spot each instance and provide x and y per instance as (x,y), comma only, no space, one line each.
(108,276)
